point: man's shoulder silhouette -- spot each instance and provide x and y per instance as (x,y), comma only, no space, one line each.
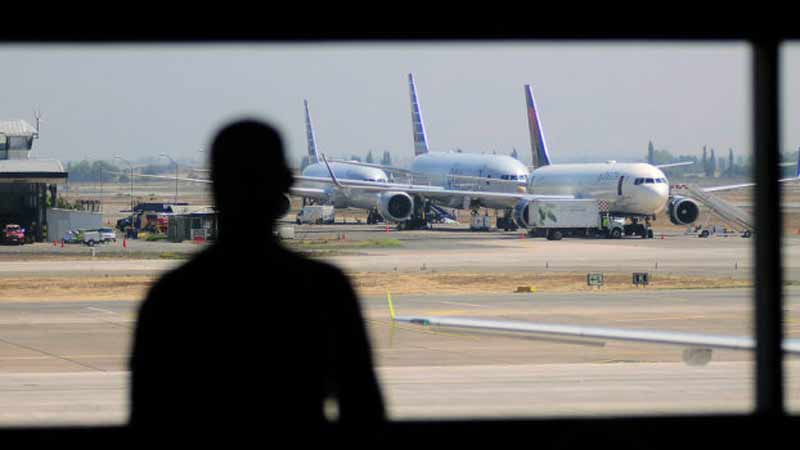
(247,322)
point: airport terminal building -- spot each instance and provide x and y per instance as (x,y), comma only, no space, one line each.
(27,185)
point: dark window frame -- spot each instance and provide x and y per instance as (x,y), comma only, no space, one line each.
(651,432)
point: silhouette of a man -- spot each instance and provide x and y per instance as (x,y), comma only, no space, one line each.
(247,336)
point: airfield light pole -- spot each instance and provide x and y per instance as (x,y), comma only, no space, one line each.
(164,155)
(131,177)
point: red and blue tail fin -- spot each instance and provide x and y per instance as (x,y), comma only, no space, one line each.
(538,145)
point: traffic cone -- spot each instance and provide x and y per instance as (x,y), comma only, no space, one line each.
(387,227)
(55,244)
(62,243)
(124,243)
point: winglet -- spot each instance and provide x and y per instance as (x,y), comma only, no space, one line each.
(330,171)
(420,136)
(538,145)
(311,136)
(391,307)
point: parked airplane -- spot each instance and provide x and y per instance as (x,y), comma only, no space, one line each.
(634,191)
(457,170)
(344,170)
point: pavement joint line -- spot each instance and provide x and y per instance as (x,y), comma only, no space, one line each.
(52,355)
(650,319)
(463,304)
(92,308)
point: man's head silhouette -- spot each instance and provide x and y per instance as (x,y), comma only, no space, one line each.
(250,176)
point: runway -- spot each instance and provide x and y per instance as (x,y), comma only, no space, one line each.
(65,362)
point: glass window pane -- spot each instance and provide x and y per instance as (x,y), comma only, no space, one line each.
(790,206)
(66,337)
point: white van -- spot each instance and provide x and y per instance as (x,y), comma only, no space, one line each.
(316,214)
(92,237)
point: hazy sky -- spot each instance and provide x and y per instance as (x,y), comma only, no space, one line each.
(595,101)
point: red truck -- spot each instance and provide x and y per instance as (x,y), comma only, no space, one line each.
(13,234)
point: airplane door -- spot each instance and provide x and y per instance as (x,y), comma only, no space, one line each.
(619,185)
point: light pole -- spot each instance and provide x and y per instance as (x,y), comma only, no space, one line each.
(164,155)
(131,179)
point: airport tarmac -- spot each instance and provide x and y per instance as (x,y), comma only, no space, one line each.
(450,248)
(454,249)
(64,362)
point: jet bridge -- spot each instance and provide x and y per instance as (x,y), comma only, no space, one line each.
(735,215)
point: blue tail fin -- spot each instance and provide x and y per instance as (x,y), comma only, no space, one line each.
(538,144)
(313,156)
(420,136)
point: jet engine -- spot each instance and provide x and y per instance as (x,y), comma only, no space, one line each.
(521,214)
(682,210)
(395,206)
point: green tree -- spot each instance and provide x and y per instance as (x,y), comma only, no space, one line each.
(705,161)
(712,165)
(731,165)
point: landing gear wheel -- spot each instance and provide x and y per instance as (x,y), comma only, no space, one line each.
(616,233)
(554,235)
(747,234)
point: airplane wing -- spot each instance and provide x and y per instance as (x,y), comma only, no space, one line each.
(677,164)
(790,346)
(796,177)
(447,197)
(377,166)
(298,191)
(743,185)
(164,177)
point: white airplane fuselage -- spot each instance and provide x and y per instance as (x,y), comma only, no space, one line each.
(631,189)
(497,173)
(345,172)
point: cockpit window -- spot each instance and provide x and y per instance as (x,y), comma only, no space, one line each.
(638,181)
(649,181)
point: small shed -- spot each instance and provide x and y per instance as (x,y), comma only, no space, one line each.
(193,225)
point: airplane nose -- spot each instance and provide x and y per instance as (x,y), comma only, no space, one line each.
(655,197)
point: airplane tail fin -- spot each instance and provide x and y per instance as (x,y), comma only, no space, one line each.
(538,145)
(311,137)
(420,136)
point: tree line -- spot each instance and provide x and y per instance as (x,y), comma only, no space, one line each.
(97,171)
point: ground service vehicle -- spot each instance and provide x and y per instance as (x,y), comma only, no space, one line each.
(13,234)
(107,234)
(316,214)
(92,237)
(555,219)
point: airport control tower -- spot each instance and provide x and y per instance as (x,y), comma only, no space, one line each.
(25,182)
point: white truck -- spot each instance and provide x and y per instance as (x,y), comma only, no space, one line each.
(316,214)
(555,219)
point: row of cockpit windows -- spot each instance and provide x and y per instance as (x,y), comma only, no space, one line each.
(639,181)
(378,180)
(514,177)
